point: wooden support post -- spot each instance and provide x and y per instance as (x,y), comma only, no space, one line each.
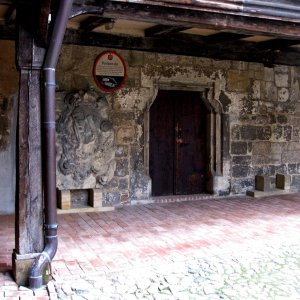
(29,202)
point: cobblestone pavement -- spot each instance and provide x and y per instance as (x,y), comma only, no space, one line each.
(227,248)
(271,272)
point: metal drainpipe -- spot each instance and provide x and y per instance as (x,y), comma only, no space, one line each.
(49,155)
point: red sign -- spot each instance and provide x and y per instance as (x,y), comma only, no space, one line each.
(109,71)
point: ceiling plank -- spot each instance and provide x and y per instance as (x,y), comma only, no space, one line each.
(93,22)
(185,44)
(163,29)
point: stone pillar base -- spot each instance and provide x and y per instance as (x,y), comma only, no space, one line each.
(21,267)
(221,185)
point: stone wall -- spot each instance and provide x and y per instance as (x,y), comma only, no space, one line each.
(8,115)
(258,109)
(260,120)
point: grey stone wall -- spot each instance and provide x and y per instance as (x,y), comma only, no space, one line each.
(8,119)
(260,115)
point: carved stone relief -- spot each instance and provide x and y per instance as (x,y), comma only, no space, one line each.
(86,141)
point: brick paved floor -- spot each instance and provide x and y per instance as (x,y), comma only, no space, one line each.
(160,233)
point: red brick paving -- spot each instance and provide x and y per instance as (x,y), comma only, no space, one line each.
(159,233)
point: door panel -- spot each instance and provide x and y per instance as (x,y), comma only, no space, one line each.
(161,164)
(190,148)
(177,143)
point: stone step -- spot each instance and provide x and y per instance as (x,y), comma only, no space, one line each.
(85,209)
(274,192)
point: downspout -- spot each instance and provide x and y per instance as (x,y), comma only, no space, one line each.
(49,155)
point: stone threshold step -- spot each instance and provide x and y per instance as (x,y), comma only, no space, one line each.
(84,209)
(259,194)
(176,198)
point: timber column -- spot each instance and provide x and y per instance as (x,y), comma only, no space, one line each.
(29,240)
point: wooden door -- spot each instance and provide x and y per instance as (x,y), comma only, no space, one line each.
(178,143)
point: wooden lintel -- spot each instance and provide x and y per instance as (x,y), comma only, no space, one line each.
(184,44)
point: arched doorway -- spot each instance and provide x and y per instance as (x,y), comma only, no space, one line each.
(178,162)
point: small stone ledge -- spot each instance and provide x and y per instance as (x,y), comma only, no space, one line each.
(263,186)
(95,200)
(85,209)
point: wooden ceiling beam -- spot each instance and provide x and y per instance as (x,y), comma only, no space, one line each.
(6,2)
(93,22)
(185,44)
(43,23)
(163,30)
(286,10)
(10,16)
(277,44)
(201,19)
(223,37)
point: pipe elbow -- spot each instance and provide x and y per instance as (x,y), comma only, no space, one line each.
(37,268)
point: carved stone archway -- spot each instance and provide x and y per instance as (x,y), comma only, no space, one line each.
(217,134)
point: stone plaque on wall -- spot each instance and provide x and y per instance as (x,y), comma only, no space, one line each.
(86,142)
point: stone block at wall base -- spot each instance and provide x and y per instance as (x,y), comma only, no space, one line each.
(283,181)
(21,267)
(221,185)
(95,197)
(64,199)
(262,183)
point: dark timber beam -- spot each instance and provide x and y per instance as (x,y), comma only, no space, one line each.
(42,27)
(185,44)
(163,29)
(277,44)
(267,9)
(29,239)
(93,22)
(6,2)
(7,32)
(10,15)
(223,37)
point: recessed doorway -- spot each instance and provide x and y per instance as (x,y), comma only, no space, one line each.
(178,146)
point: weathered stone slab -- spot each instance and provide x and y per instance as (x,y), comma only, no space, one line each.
(238,81)
(239,148)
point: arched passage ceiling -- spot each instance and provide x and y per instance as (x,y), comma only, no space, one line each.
(250,30)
